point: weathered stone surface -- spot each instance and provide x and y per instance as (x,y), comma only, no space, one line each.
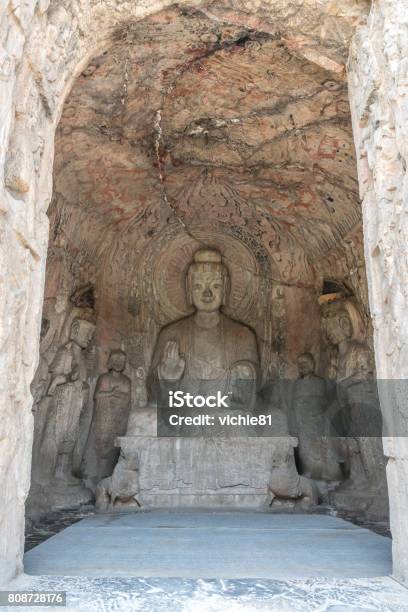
(378,94)
(58,420)
(112,403)
(210,473)
(352,365)
(238,126)
(311,400)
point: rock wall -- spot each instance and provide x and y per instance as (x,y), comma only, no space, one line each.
(378,87)
(23,245)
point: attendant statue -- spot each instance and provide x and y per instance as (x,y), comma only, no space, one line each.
(66,398)
(317,457)
(206,352)
(357,398)
(112,401)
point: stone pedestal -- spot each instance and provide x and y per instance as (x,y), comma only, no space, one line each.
(203,472)
(198,472)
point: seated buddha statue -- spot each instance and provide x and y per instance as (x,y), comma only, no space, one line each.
(206,352)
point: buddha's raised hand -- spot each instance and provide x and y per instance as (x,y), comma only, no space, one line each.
(172,364)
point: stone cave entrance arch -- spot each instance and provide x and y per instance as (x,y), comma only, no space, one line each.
(35,89)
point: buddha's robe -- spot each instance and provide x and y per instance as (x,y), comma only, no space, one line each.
(211,355)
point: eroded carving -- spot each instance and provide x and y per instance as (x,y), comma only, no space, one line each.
(317,456)
(121,488)
(112,402)
(360,416)
(65,399)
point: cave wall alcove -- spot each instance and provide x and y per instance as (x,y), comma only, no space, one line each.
(203,137)
(189,132)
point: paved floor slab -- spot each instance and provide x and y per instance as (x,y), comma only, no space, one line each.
(213,545)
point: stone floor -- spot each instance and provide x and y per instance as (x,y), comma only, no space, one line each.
(212,544)
(47,525)
(40,529)
(213,561)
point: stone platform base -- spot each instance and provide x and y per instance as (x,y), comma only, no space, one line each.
(203,500)
(203,472)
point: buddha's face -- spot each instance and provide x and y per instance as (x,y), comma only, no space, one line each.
(337,325)
(82,332)
(117,362)
(207,290)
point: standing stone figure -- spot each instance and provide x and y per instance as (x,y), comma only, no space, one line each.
(310,405)
(316,454)
(358,400)
(109,420)
(66,397)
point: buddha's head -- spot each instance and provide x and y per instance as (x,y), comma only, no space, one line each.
(81,332)
(306,364)
(207,281)
(336,321)
(117,361)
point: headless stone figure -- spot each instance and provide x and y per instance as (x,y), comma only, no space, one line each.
(110,417)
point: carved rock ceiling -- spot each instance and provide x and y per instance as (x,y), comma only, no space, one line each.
(201,120)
